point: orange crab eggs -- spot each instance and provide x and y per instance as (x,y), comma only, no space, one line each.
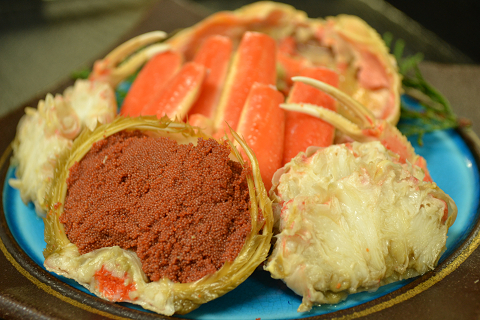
(183,209)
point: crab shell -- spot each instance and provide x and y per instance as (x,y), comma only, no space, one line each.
(123,266)
(345,43)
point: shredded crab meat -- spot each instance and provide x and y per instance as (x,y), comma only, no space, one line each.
(352,218)
(35,166)
(44,133)
(93,101)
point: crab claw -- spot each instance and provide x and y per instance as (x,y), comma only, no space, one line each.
(110,69)
(365,127)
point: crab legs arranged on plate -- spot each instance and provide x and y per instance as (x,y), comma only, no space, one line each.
(232,68)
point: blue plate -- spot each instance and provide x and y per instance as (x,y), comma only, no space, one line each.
(452,167)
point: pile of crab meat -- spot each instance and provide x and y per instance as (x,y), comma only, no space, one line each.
(44,133)
(284,82)
(353,218)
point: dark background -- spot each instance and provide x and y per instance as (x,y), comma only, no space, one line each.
(456,22)
(454,25)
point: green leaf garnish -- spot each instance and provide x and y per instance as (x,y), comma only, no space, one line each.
(435,112)
(80,74)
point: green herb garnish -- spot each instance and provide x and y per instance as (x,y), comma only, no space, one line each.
(80,74)
(435,112)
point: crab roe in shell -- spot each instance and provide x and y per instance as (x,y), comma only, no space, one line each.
(146,211)
(182,208)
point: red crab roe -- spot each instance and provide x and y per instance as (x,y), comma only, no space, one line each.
(114,288)
(183,209)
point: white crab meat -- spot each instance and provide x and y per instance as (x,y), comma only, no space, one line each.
(352,218)
(35,154)
(93,101)
(44,133)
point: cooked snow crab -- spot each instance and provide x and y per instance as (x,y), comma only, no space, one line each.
(47,131)
(116,273)
(355,216)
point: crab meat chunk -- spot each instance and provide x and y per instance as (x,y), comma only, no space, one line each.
(352,218)
(46,132)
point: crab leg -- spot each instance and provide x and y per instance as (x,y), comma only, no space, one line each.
(109,69)
(303,130)
(214,54)
(370,129)
(150,80)
(253,62)
(176,99)
(262,125)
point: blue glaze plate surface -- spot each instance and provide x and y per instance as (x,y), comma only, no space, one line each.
(452,167)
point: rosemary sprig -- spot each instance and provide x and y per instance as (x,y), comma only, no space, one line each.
(434,111)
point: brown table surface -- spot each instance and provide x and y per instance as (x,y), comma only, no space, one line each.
(455,297)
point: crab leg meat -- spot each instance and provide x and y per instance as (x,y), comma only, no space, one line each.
(253,62)
(215,55)
(176,99)
(303,130)
(150,80)
(262,124)
(370,129)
